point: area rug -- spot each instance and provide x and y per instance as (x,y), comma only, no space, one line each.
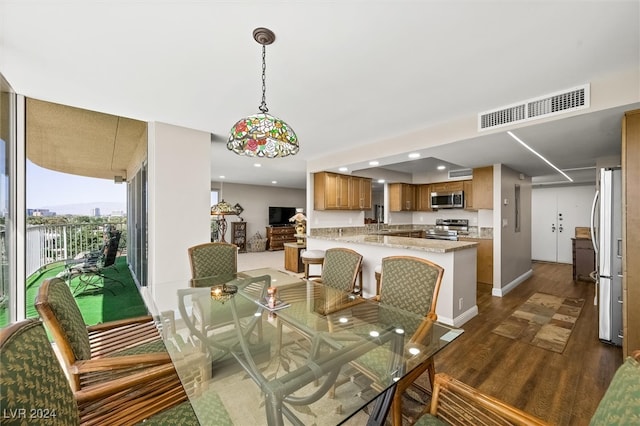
(544,320)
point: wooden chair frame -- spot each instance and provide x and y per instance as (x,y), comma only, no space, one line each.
(457,403)
(357,272)
(140,384)
(125,400)
(423,330)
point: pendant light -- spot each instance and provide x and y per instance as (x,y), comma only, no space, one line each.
(263,135)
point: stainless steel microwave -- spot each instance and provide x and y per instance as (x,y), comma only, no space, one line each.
(447,200)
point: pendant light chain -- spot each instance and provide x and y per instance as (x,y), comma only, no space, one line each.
(263,106)
(263,135)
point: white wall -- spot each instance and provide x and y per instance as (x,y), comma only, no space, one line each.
(255,200)
(512,248)
(179,195)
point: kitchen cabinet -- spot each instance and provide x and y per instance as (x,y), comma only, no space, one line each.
(468,194)
(239,235)
(631,231)
(360,195)
(279,235)
(333,191)
(402,197)
(482,188)
(484,262)
(423,198)
(584,259)
(447,186)
(292,258)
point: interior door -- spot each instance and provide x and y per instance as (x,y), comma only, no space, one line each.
(544,226)
(555,214)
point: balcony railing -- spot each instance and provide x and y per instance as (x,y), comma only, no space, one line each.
(52,243)
(47,244)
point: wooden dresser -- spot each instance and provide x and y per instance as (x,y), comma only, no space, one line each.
(278,235)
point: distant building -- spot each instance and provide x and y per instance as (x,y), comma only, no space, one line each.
(40,212)
(117,213)
(95,212)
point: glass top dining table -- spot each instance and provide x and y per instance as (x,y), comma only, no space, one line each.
(310,355)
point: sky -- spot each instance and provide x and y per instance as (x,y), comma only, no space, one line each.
(48,188)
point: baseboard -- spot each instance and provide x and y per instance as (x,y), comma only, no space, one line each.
(460,319)
(465,316)
(500,292)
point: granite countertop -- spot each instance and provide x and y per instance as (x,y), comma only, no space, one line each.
(422,244)
(476,236)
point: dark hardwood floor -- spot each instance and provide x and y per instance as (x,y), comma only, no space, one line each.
(563,389)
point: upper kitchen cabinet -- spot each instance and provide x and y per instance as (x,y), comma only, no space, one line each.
(447,186)
(423,197)
(482,189)
(468,194)
(333,191)
(402,197)
(360,197)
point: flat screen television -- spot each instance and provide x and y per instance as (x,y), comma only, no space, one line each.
(279,216)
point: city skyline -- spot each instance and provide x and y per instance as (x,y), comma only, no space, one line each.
(48,189)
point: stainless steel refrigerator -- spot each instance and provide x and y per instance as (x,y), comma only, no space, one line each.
(606,231)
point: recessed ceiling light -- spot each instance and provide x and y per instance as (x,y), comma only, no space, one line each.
(374,163)
(539,155)
(274,182)
(343,169)
(222,176)
(257,165)
(414,155)
(380,180)
(441,167)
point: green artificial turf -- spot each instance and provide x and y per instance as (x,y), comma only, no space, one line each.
(99,305)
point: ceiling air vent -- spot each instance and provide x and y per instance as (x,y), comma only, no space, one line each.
(461,173)
(544,106)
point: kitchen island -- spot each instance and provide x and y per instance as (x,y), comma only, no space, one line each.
(457,297)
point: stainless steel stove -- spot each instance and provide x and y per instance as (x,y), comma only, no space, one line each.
(448,229)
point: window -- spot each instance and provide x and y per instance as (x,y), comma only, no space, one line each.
(7,204)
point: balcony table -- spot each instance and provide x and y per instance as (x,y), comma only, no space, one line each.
(264,372)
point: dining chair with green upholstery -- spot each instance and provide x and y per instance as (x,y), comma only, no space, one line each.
(341,269)
(213,259)
(214,264)
(408,284)
(35,389)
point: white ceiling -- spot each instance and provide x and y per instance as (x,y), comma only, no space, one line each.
(356,80)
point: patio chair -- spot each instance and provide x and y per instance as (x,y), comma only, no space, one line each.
(102,352)
(34,387)
(456,403)
(90,269)
(407,284)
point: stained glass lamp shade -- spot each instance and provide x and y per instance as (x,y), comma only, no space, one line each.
(262,135)
(223,208)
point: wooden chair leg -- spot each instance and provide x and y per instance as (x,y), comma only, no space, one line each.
(431,370)
(396,404)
